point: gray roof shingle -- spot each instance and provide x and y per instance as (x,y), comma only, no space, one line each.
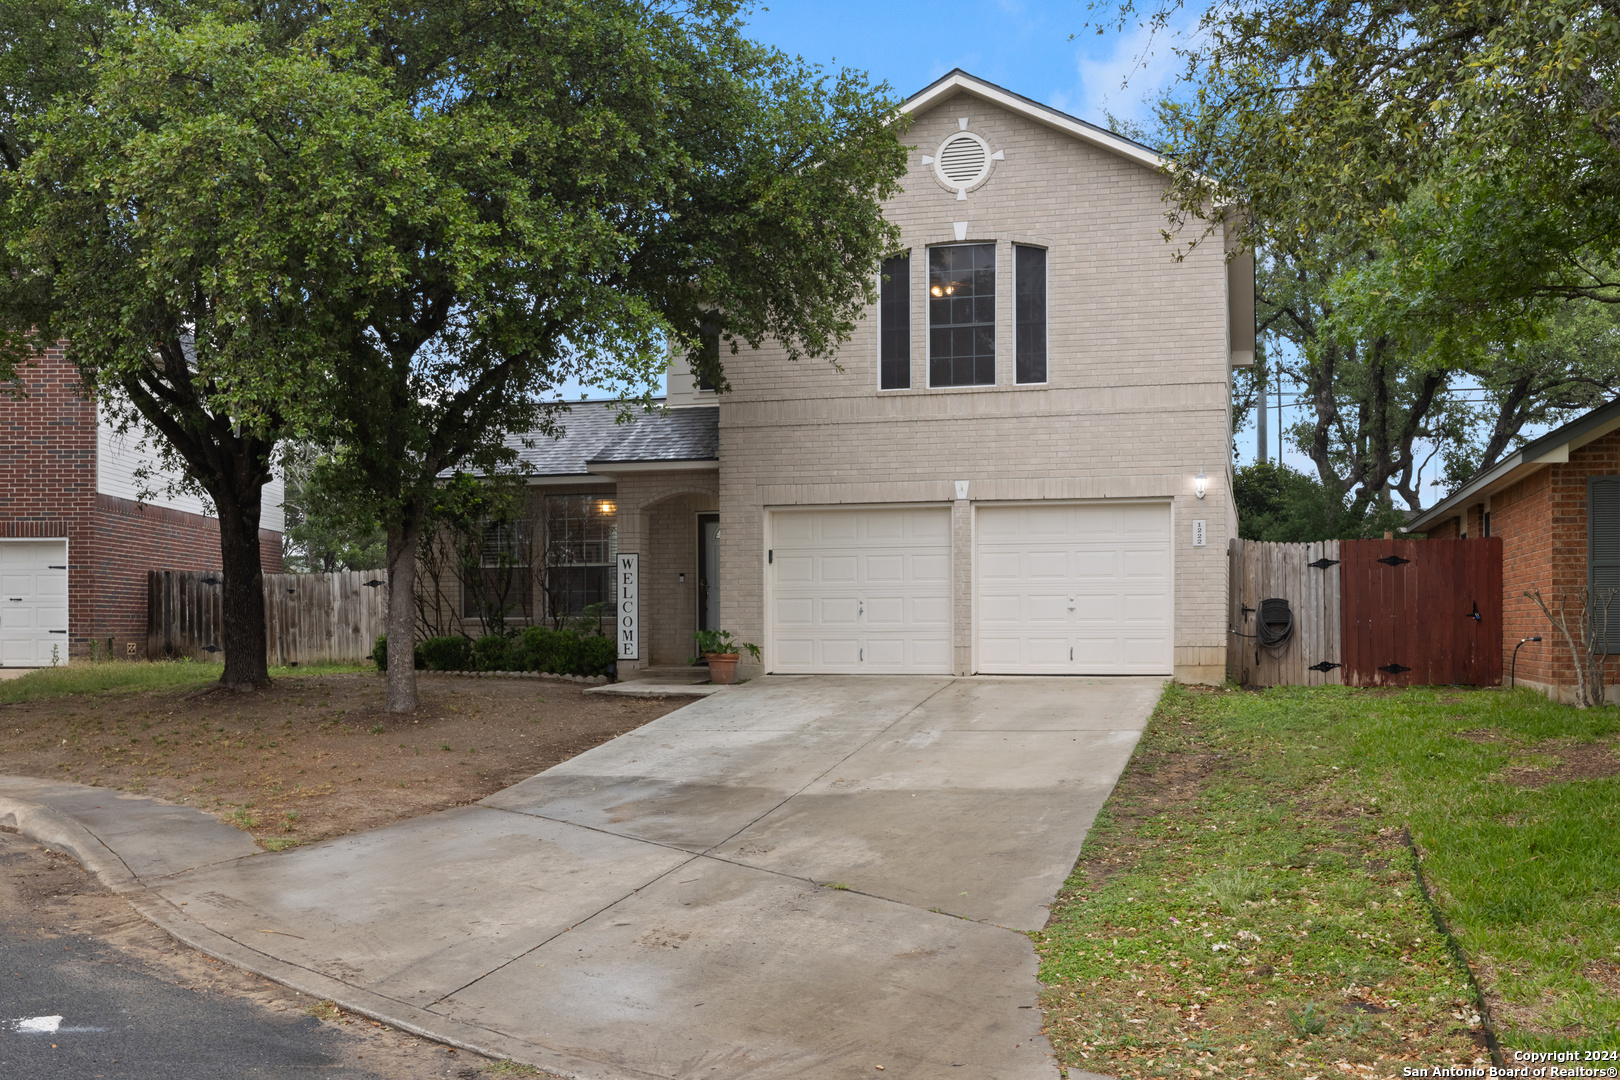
(590,436)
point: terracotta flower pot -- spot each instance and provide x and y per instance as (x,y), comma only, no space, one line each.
(722,667)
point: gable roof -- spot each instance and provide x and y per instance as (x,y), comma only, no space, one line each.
(1551,449)
(592,437)
(959,80)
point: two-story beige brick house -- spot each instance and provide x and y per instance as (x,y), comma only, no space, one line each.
(1020,463)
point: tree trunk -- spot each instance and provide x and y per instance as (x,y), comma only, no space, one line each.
(400,695)
(242,632)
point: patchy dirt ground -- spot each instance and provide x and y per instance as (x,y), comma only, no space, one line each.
(315,757)
(48,896)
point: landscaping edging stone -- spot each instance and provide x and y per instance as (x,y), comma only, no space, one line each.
(588,680)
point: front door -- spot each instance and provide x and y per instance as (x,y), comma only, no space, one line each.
(708,597)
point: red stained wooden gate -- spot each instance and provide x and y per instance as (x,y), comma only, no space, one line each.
(1421,612)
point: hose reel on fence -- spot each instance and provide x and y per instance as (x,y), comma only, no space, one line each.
(1274,624)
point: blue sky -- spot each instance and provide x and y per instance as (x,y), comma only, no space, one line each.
(1039,50)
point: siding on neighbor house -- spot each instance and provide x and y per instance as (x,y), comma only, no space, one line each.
(49,487)
(1542,521)
(1137,399)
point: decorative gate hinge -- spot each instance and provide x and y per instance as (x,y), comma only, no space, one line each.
(1393,560)
(1323,563)
(208,581)
(1325,665)
(1394,669)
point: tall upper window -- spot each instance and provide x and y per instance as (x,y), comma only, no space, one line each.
(894,320)
(962,315)
(1029,306)
(711,355)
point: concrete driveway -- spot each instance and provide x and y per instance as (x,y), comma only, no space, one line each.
(801,877)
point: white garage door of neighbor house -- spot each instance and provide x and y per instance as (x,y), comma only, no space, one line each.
(33,602)
(857,591)
(1074,589)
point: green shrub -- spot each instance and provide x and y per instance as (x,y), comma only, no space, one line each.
(493,652)
(450,653)
(595,654)
(535,649)
(379,654)
(562,652)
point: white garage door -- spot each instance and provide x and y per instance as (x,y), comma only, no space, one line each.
(1075,589)
(33,602)
(861,591)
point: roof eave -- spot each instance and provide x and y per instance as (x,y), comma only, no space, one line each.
(609,468)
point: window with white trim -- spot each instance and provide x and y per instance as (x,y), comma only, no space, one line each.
(962,315)
(894,324)
(1029,314)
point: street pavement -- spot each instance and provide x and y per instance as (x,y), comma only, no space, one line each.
(801,877)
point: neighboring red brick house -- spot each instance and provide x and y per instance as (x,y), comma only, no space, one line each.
(1556,506)
(75,541)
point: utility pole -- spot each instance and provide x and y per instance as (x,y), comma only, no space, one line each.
(1260,414)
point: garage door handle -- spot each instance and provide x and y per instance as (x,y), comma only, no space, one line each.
(58,631)
(16,599)
(860,607)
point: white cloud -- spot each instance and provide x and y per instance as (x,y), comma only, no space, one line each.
(1126,73)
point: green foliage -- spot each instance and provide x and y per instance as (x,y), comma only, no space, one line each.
(722,641)
(379,654)
(325,532)
(563,652)
(1278,503)
(493,652)
(447,653)
(1305,792)
(112,677)
(1479,144)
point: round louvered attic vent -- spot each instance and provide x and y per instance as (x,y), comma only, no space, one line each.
(963,160)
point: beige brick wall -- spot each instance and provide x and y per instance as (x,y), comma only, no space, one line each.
(1136,404)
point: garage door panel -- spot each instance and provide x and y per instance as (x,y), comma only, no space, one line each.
(1047,565)
(887,611)
(837,611)
(931,611)
(796,612)
(795,569)
(836,569)
(879,595)
(885,568)
(1113,560)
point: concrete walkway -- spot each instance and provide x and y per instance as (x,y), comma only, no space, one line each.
(801,877)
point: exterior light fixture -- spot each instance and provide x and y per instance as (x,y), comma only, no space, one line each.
(1200,484)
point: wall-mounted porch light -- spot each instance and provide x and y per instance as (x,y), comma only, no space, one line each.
(1200,483)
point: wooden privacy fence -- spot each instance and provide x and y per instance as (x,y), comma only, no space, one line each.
(1366,613)
(309,618)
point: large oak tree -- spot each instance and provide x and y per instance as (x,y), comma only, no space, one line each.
(398,229)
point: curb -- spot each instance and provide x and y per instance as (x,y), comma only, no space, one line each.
(58,832)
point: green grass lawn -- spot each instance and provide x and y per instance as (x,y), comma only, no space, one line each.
(125,677)
(1247,901)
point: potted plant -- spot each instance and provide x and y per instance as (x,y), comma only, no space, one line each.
(720,649)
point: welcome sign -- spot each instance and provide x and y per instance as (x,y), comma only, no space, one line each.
(629,620)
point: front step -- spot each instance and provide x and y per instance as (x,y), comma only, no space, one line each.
(685,673)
